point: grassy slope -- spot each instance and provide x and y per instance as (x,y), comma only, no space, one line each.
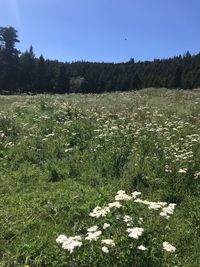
(62,155)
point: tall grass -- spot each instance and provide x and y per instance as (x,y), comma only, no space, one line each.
(61,156)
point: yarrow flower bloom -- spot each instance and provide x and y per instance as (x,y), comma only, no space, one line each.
(121,195)
(106,225)
(135,232)
(98,212)
(139,200)
(105,249)
(156,205)
(166,211)
(115,204)
(93,232)
(135,194)
(69,243)
(72,245)
(141,247)
(92,229)
(152,205)
(108,242)
(168,247)
(61,239)
(93,236)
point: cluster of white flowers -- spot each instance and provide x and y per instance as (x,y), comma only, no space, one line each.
(167,211)
(93,233)
(150,204)
(156,205)
(106,225)
(135,232)
(102,212)
(105,249)
(121,195)
(92,228)
(61,239)
(99,212)
(168,247)
(69,243)
(115,204)
(135,194)
(108,242)
(141,247)
(93,236)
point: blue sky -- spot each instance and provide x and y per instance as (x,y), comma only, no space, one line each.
(104,30)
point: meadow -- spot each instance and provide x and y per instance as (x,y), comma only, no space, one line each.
(100,180)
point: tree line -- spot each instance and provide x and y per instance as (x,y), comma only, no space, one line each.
(25,73)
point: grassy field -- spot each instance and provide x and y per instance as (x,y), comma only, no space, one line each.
(62,156)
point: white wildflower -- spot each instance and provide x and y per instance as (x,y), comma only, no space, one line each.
(157,205)
(135,232)
(135,194)
(61,239)
(93,235)
(141,247)
(139,200)
(92,229)
(121,195)
(152,205)
(106,225)
(127,219)
(71,243)
(168,247)
(108,242)
(98,212)
(166,211)
(115,204)
(121,192)
(105,249)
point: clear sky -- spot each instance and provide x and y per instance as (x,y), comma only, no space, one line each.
(105,30)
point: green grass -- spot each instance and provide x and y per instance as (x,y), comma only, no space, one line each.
(60,156)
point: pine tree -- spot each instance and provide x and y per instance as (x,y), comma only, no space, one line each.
(9,59)
(63,81)
(41,75)
(28,71)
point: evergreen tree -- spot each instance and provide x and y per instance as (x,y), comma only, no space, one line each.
(41,75)
(136,82)
(28,71)
(9,57)
(63,84)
